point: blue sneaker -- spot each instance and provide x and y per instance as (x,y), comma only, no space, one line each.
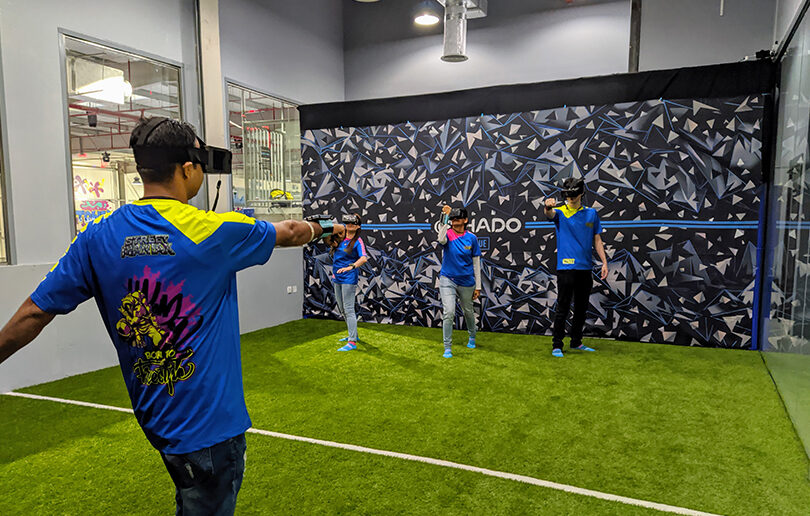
(557,353)
(348,347)
(471,344)
(447,354)
(344,339)
(583,347)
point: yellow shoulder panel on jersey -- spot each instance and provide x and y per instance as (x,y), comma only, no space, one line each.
(194,223)
(568,212)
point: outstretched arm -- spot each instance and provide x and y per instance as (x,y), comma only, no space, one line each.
(23,327)
(290,233)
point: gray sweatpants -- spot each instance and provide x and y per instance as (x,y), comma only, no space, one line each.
(449,292)
(344,294)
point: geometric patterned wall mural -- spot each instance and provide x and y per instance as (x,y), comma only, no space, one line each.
(676,184)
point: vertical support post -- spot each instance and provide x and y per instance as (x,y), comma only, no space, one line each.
(635,35)
(213,98)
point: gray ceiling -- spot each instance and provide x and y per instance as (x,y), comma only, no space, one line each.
(391,20)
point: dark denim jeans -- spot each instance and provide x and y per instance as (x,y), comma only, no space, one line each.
(208,480)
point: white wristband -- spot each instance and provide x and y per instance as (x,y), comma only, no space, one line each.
(312,231)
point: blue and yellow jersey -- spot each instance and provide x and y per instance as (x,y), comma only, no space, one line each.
(163,274)
(343,258)
(575,231)
(457,263)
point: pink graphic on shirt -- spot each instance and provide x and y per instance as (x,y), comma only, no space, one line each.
(161,321)
(452,235)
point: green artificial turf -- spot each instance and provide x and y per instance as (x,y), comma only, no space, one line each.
(698,428)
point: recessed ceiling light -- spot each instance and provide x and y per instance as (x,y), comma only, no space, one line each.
(426,19)
(426,13)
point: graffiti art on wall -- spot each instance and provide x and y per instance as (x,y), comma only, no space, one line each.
(87,187)
(676,184)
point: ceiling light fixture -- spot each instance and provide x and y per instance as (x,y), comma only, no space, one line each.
(112,89)
(426,14)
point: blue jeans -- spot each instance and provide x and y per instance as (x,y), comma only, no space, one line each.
(344,294)
(208,480)
(449,292)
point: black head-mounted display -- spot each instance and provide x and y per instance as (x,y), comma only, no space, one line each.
(573,186)
(213,160)
(350,219)
(457,213)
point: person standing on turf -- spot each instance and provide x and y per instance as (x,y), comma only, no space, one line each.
(578,233)
(460,276)
(348,256)
(163,274)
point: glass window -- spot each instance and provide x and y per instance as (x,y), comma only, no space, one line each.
(108,91)
(265,138)
(787,325)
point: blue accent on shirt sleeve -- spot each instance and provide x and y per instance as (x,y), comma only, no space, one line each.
(69,283)
(476,249)
(249,244)
(597,225)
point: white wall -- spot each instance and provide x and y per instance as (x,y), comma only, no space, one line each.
(292,49)
(504,49)
(37,159)
(71,344)
(682,33)
(34,123)
(533,41)
(37,168)
(263,298)
(785,12)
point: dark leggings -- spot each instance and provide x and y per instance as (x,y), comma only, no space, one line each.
(576,285)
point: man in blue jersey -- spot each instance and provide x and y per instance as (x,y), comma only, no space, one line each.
(578,233)
(163,275)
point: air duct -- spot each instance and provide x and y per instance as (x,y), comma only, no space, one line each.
(455,31)
(456,14)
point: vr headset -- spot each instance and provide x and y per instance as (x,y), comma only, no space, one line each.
(457,213)
(350,219)
(573,186)
(213,160)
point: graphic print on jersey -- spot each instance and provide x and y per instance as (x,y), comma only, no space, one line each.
(160,321)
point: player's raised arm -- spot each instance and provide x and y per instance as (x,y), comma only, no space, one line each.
(548,208)
(444,225)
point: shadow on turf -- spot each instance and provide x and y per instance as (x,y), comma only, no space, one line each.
(413,364)
(259,366)
(29,426)
(296,333)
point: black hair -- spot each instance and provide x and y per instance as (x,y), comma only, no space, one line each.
(171,133)
(356,234)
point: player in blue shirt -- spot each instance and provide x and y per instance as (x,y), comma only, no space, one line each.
(163,274)
(578,233)
(460,275)
(347,258)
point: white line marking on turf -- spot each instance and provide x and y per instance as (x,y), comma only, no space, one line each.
(69,402)
(417,458)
